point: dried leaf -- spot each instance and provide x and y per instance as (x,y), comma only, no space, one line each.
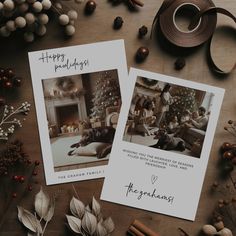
(51,209)
(87,208)
(77,207)
(41,203)
(74,223)
(31,234)
(96,208)
(109,225)
(101,230)
(29,220)
(89,223)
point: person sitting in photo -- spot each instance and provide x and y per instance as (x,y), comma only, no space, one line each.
(201,121)
(173,126)
(185,118)
(146,119)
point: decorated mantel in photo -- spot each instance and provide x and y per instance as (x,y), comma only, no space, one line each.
(78,92)
(162,144)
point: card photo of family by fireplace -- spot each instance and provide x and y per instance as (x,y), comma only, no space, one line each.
(168,117)
(82,114)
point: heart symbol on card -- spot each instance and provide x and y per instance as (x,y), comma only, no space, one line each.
(154,178)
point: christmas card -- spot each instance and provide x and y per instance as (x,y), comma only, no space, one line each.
(78,93)
(162,144)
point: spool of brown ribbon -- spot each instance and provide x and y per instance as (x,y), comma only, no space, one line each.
(201,29)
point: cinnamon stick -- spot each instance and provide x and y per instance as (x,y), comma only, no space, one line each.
(134,232)
(143,228)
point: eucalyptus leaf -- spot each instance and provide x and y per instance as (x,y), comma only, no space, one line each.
(51,210)
(29,220)
(77,207)
(89,223)
(41,203)
(96,208)
(109,225)
(74,223)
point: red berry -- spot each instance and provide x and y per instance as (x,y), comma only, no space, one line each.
(22,179)
(17,82)
(15,177)
(30,188)
(225,146)
(37,163)
(2,72)
(14,195)
(228,155)
(9,73)
(7,84)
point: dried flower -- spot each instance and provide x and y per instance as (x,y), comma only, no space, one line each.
(11,156)
(8,123)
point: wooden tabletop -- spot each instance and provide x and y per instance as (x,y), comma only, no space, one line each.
(95,28)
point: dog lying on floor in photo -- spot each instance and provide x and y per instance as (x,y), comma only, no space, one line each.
(168,141)
(99,134)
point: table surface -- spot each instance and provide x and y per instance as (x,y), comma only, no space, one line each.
(98,27)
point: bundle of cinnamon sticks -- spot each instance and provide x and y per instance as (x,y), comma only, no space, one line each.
(137,228)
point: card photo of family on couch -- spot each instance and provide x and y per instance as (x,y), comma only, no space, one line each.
(168,117)
(82,114)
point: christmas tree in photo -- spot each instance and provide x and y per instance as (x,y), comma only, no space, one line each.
(107,94)
(184,100)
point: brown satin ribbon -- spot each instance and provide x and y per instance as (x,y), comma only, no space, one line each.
(201,28)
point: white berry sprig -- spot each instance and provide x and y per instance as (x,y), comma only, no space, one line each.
(8,122)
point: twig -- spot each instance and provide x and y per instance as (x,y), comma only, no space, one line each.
(76,193)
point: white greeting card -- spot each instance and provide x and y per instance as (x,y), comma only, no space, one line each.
(162,144)
(77,93)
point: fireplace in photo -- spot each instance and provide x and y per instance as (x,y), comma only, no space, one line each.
(67,118)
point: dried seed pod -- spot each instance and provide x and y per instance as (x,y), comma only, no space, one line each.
(72,14)
(10,25)
(28,37)
(209,230)
(225,232)
(4,31)
(64,19)
(69,30)
(8,5)
(41,30)
(30,18)
(43,18)
(37,7)
(20,22)
(46,4)
(219,225)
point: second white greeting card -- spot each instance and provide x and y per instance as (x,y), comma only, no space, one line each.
(162,144)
